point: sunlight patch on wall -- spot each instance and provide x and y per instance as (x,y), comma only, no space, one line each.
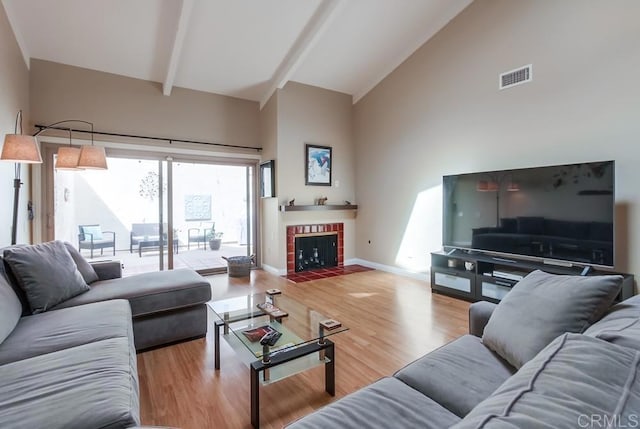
(423,233)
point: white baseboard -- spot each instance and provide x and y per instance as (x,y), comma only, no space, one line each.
(273,270)
(388,268)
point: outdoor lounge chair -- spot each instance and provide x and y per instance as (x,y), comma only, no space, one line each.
(93,237)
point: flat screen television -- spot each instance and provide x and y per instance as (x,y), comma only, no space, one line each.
(562,213)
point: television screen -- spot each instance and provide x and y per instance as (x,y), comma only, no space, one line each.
(563,212)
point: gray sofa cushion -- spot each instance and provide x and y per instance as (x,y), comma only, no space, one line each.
(62,329)
(10,309)
(621,325)
(572,379)
(89,386)
(86,269)
(458,375)
(387,403)
(47,274)
(542,306)
(150,292)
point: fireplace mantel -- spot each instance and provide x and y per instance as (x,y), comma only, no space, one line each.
(317,207)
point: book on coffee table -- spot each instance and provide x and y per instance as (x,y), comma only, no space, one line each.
(255,334)
(272,310)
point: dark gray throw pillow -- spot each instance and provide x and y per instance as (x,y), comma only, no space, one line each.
(47,274)
(86,269)
(543,306)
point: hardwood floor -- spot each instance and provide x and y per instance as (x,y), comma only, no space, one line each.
(393,320)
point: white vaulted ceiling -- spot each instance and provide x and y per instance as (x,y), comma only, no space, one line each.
(240,48)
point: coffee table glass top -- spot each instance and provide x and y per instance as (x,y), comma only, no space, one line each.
(248,322)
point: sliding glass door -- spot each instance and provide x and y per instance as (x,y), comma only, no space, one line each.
(157,214)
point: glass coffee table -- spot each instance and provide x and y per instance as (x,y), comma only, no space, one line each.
(301,341)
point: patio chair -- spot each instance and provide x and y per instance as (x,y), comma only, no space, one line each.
(93,237)
(146,232)
(199,235)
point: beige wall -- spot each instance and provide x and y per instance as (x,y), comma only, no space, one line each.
(441,113)
(307,114)
(133,106)
(14,95)
(269,206)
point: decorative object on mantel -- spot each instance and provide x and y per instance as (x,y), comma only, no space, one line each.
(292,202)
(321,201)
(19,148)
(318,164)
(347,202)
(313,207)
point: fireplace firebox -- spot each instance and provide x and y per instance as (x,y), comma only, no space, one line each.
(331,256)
(316,251)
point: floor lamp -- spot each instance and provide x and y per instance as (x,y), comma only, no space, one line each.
(19,148)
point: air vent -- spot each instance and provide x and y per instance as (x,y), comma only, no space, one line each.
(516,77)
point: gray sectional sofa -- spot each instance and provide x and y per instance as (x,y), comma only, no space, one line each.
(68,347)
(555,368)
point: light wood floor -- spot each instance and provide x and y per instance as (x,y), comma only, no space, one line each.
(393,320)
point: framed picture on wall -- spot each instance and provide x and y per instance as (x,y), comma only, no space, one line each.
(318,164)
(268,179)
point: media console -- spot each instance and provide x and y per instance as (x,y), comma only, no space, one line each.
(482,277)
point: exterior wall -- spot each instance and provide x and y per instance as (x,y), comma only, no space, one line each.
(441,113)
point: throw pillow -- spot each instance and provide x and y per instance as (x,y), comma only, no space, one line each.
(543,306)
(94,230)
(10,309)
(86,269)
(47,274)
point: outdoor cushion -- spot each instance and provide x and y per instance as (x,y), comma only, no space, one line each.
(387,403)
(543,306)
(46,272)
(90,386)
(459,375)
(149,292)
(621,325)
(574,379)
(91,231)
(86,270)
(62,329)
(10,309)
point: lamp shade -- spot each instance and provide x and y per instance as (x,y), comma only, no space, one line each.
(21,148)
(67,158)
(92,158)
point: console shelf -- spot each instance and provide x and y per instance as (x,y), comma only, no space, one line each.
(317,207)
(471,276)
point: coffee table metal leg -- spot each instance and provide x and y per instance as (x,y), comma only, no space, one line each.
(330,370)
(255,398)
(216,346)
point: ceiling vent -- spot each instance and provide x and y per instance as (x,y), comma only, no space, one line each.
(516,77)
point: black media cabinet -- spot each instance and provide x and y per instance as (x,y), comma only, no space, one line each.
(470,276)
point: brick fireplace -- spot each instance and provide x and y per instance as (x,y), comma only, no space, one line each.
(313,230)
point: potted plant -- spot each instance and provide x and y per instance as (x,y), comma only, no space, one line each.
(215,239)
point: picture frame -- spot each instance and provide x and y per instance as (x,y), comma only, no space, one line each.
(268,179)
(318,163)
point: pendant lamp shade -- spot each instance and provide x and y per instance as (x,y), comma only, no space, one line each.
(21,148)
(67,158)
(92,158)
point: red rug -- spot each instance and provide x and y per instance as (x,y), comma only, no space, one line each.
(325,273)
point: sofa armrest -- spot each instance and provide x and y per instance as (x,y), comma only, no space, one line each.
(479,314)
(107,270)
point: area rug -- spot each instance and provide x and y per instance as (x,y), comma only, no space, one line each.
(325,273)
